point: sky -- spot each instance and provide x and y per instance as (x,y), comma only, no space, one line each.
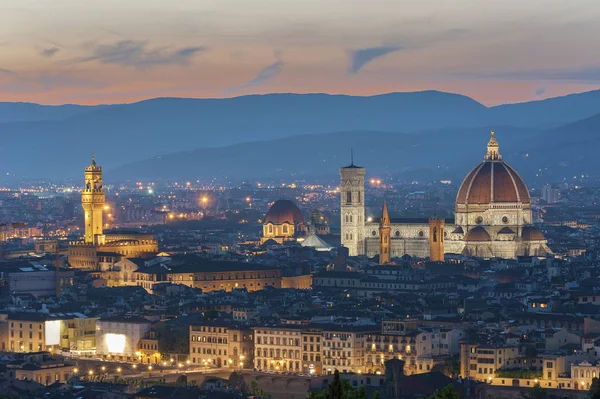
(116,51)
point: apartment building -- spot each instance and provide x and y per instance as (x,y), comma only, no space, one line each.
(344,348)
(278,348)
(480,362)
(38,331)
(221,344)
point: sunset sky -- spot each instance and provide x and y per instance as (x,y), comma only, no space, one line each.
(113,51)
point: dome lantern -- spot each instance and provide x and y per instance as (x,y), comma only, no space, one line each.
(492,149)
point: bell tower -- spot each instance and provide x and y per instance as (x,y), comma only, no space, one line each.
(436,239)
(92,201)
(384,236)
(352,208)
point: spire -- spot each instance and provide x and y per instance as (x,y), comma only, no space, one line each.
(351,156)
(93,159)
(385,217)
(492,149)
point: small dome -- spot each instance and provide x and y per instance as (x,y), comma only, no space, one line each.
(478,234)
(530,233)
(284,211)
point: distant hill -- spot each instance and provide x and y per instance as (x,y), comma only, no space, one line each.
(538,155)
(550,112)
(28,112)
(40,141)
(564,152)
(449,153)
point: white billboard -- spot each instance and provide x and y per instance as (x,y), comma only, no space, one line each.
(52,332)
(115,343)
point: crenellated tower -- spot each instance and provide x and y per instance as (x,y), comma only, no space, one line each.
(384,235)
(352,208)
(92,201)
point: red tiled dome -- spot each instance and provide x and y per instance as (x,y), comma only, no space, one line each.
(284,211)
(493,181)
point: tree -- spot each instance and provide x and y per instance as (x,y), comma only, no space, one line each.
(594,392)
(450,369)
(335,390)
(255,390)
(537,392)
(341,389)
(173,339)
(445,393)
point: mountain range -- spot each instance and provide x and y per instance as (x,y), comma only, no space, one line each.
(286,134)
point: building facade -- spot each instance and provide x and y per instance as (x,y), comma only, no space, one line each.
(118,337)
(278,348)
(221,345)
(35,332)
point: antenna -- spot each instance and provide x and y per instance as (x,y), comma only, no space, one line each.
(351,156)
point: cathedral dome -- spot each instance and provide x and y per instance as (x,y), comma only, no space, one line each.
(284,211)
(478,234)
(493,181)
(530,233)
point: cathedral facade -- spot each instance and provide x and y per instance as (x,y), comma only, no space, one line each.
(493,218)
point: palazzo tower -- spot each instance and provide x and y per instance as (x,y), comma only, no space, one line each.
(92,201)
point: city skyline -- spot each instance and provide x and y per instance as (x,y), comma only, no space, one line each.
(115,52)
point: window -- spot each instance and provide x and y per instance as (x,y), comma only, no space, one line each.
(349,197)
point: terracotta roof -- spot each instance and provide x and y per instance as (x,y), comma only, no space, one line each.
(506,230)
(284,211)
(477,234)
(530,233)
